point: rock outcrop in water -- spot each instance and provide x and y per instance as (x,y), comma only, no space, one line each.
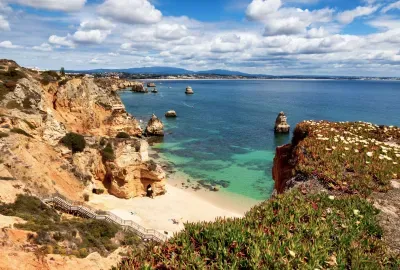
(171,113)
(155,127)
(189,91)
(281,125)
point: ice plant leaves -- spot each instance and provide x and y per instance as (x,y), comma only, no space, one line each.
(292,231)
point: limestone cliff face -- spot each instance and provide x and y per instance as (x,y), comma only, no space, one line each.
(282,169)
(89,109)
(37,109)
(130,174)
(284,163)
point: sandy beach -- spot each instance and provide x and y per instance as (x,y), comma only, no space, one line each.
(158,213)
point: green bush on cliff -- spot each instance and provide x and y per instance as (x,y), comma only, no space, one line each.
(74,141)
(108,153)
(293,231)
(123,135)
(85,235)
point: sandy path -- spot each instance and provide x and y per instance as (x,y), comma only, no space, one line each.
(158,213)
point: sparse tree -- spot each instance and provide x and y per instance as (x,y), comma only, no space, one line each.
(62,71)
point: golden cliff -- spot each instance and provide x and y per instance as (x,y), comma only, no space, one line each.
(37,109)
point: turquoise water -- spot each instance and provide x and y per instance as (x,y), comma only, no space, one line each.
(225,130)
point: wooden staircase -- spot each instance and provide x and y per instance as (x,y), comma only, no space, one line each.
(85,211)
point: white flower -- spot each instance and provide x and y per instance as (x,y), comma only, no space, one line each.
(328,149)
(346,148)
(356,212)
(367,162)
(331,198)
(395,163)
(370,154)
(333,147)
(356,150)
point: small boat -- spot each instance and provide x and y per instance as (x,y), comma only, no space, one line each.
(154,90)
(150,84)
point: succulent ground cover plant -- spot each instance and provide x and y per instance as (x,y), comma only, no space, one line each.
(292,231)
(351,157)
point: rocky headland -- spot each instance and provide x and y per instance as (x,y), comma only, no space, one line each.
(38,109)
(335,205)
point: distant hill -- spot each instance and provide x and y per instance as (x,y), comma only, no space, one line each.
(168,71)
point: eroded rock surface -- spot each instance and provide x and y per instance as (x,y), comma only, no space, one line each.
(281,125)
(155,127)
(130,174)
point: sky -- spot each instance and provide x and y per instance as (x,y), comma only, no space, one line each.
(276,37)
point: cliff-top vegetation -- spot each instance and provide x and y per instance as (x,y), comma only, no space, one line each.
(67,236)
(350,157)
(300,229)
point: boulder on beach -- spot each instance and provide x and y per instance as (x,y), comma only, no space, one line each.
(189,91)
(155,127)
(281,125)
(170,113)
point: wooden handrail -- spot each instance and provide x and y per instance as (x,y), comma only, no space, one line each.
(86,211)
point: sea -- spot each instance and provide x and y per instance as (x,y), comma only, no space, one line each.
(224,133)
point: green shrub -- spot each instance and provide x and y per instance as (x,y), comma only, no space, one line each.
(103,141)
(108,153)
(83,253)
(94,235)
(63,82)
(123,135)
(3,135)
(74,141)
(292,231)
(21,131)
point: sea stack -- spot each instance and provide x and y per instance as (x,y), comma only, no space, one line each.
(189,91)
(138,88)
(281,125)
(155,127)
(170,113)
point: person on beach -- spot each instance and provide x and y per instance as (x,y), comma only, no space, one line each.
(150,192)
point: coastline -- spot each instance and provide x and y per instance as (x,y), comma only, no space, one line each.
(166,213)
(264,79)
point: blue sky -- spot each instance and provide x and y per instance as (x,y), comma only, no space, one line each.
(320,37)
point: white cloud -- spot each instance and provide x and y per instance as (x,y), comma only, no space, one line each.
(395,5)
(96,61)
(130,11)
(170,31)
(44,47)
(8,45)
(4,25)
(285,26)
(69,5)
(257,10)
(97,24)
(348,16)
(90,37)
(229,43)
(61,41)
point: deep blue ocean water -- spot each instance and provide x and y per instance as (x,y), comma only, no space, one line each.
(225,130)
